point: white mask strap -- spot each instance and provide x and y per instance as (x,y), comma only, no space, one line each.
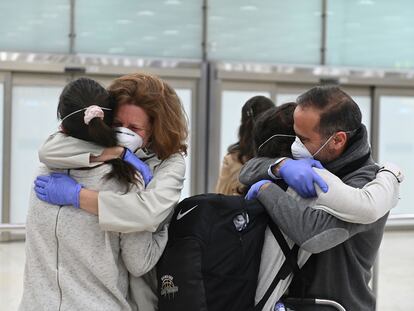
(72,113)
(273,136)
(323,145)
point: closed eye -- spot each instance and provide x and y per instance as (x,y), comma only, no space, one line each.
(302,139)
(136,129)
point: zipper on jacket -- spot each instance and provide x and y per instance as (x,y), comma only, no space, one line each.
(57,259)
(57,255)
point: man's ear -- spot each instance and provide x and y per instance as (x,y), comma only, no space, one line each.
(340,139)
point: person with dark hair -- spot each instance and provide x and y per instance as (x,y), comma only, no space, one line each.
(70,262)
(147,110)
(273,132)
(327,124)
(273,136)
(241,151)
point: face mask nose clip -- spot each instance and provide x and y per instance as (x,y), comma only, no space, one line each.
(128,138)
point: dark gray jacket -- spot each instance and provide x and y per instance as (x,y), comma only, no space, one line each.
(342,269)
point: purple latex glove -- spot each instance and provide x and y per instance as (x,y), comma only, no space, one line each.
(299,175)
(139,165)
(255,188)
(58,189)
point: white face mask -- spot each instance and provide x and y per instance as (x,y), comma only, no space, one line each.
(128,139)
(299,150)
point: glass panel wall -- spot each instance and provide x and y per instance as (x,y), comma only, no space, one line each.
(396,144)
(289,92)
(265,31)
(170,28)
(35,26)
(370,33)
(365,33)
(285,98)
(364,103)
(33,120)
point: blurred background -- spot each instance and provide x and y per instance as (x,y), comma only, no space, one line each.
(216,54)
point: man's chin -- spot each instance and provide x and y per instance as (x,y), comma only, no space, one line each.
(324,160)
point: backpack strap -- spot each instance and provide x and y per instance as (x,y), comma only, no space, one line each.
(289,265)
(290,254)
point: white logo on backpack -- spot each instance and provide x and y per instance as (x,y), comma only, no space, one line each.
(181,215)
(167,286)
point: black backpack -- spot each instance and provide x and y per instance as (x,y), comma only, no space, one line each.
(212,258)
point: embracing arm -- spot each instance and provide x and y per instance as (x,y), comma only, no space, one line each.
(365,205)
(146,209)
(254,170)
(298,174)
(312,229)
(142,250)
(135,211)
(65,152)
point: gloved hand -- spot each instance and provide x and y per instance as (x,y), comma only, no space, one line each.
(299,175)
(139,165)
(255,188)
(58,189)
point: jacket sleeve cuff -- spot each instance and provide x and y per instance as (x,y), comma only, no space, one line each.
(394,170)
(270,169)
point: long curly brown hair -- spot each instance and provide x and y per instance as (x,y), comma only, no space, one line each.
(159,100)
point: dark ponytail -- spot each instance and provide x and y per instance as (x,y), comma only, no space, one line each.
(250,111)
(100,133)
(81,94)
(124,172)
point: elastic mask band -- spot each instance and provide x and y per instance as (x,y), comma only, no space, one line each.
(273,136)
(94,113)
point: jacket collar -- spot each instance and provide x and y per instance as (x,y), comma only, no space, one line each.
(357,153)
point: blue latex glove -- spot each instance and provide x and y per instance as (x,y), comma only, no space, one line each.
(139,165)
(58,189)
(255,188)
(299,175)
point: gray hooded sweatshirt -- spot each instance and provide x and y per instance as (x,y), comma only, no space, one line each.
(71,264)
(342,270)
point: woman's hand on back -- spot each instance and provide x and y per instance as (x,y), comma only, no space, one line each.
(58,189)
